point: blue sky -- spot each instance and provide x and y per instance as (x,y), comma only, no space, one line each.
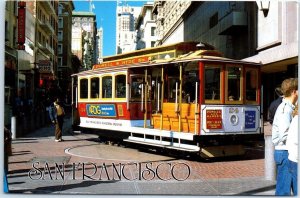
(106,17)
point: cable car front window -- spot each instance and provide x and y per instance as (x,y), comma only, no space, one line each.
(251,84)
(189,79)
(234,83)
(212,83)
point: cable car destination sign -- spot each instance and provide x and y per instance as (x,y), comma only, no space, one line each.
(120,62)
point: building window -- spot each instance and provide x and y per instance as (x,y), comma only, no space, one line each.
(60,49)
(152,43)
(60,63)
(60,22)
(60,35)
(153,31)
(60,9)
(213,21)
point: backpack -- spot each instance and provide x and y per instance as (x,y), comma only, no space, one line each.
(60,110)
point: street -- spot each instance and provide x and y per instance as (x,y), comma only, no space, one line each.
(82,164)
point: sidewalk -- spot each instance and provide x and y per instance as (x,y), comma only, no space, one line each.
(37,155)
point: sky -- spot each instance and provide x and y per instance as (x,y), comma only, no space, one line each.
(106,18)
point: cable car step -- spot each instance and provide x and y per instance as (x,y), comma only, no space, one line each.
(164,144)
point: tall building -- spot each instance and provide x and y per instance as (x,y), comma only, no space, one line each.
(84,30)
(169,17)
(11,58)
(125,28)
(277,44)
(45,47)
(64,67)
(100,45)
(228,26)
(146,28)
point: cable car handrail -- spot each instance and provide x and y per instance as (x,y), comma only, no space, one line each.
(176,97)
(127,95)
(196,106)
(142,97)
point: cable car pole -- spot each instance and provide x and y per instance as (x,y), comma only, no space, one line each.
(180,99)
(146,99)
(162,97)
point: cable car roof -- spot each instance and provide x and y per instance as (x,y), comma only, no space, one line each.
(198,55)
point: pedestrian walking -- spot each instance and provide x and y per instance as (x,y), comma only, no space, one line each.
(281,124)
(292,146)
(56,114)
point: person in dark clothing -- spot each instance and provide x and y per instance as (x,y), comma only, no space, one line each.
(57,113)
(273,106)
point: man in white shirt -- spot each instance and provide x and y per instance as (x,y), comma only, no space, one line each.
(280,127)
(292,146)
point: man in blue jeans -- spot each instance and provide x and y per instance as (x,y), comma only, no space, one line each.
(280,127)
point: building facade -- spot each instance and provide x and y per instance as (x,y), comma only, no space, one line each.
(11,59)
(64,67)
(169,16)
(228,26)
(45,62)
(146,28)
(84,31)
(125,28)
(277,44)
(99,51)
(240,30)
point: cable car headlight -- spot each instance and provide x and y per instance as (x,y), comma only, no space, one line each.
(234,119)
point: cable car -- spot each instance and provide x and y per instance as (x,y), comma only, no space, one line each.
(182,96)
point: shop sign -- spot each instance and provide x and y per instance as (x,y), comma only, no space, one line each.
(214,119)
(21,25)
(44,66)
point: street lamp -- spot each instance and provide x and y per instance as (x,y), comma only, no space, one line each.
(264,6)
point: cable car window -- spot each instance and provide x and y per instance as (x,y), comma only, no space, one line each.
(95,87)
(189,79)
(84,88)
(107,87)
(212,83)
(234,83)
(120,86)
(251,84)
